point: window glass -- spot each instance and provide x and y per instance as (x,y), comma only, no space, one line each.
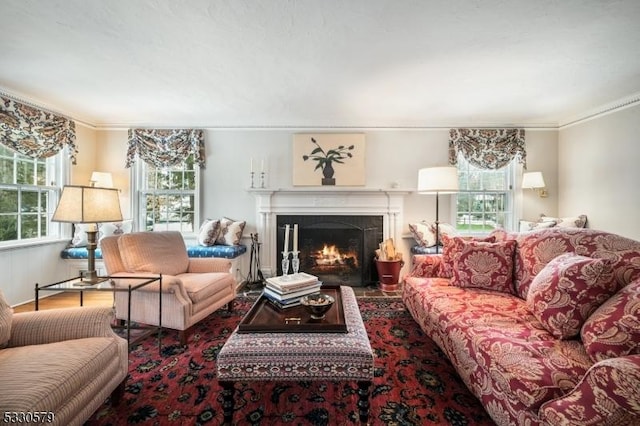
(485,200)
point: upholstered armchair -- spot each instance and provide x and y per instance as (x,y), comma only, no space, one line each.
(192,288)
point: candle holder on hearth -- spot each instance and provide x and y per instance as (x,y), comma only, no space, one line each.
(295,262)
(285,263)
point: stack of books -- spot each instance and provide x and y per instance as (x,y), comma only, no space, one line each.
(286,291)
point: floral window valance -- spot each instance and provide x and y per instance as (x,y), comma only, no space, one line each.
(34,132)
(165,147)
(487,148)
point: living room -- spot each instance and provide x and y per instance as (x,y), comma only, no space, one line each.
(377,75)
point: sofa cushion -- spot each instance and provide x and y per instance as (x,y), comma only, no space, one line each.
(526,226)
(568,290)
(209,232)
(157,252)
(201,286)
(6,315)
(485,265)
(579,221)
(48,376)
(452,248)
(613,330)
(230,232)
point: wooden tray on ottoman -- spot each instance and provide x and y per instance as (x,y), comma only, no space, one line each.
(265,317)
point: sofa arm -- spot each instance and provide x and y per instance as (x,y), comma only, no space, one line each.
(426,265)
(200,265)
(56,325)
(608,394)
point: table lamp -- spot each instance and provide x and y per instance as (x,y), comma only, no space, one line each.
(438,180)
(88,204)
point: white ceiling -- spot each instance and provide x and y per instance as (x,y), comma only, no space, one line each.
(320,63)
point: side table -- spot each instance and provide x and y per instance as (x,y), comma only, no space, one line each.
(106,284)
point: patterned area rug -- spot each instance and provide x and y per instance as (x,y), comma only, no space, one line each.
(414,382)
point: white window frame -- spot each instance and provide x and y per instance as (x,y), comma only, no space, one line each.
(57,171)
(140,191)
(512,203)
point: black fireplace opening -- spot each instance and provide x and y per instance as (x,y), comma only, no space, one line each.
(338,249)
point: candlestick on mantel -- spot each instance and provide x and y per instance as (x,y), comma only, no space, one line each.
(286,238)
(251,165)
(295,237)
(262,166)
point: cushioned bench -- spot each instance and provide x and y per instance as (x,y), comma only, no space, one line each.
(226,252)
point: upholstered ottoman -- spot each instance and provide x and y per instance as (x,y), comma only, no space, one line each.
(300,356)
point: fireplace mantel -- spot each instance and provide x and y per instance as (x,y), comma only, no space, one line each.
(388,203)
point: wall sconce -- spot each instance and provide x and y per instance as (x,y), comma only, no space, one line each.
(535,181)
(101,180)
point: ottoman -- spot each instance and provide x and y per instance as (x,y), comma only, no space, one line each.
(300,356)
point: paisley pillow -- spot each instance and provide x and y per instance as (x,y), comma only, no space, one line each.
(6,314)
(452,248)
(567,291)
(209,232)
(613,330)
(485,265)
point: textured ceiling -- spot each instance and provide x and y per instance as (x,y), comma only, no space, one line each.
(320,63)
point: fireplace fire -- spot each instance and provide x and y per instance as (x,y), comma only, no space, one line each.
(337,249)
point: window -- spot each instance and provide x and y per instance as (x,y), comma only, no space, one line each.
(28,195)
(486,198)
(168,197)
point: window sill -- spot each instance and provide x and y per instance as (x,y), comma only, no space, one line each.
(27,244)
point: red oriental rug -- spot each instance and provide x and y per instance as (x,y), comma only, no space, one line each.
(414,382)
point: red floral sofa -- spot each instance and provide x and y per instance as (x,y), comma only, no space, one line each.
(543,327)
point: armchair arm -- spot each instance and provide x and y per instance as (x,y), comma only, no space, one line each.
(208,264)
(170,283)
(607,394)
(426,265)
(56,325)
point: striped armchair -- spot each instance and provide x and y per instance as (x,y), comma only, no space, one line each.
(192,287)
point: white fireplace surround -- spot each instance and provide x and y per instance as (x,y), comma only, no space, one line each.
(388,203)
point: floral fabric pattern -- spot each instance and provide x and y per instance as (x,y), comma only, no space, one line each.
(453,248)
(613,330)
(165,147)
(568,290)
(485,265)
(34,132)
(487,148)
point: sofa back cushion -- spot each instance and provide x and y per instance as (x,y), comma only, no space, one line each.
(485,265)
(536,249)
(613,330)
(6,315)
(567,290)
(157,252)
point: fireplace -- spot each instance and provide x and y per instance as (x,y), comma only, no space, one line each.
(339,249)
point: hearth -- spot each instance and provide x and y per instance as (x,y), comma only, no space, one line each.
(337,248)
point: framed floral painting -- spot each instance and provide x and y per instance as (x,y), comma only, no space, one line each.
(328,159)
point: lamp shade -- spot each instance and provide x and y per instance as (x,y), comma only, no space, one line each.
(533,180)
(88,204)
(438,180)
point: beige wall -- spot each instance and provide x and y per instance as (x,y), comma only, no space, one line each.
(599,172)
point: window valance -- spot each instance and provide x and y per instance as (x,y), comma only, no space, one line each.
(34,132)
(165,147)
(487,148)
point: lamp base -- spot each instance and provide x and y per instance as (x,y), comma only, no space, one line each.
(90,278)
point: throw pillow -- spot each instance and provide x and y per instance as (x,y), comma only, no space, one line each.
(526,226)
(209,232)
(566,222)
(485,265)
(451,249)
(108,229)
(79,238)
(425,232)
(613,330)
(6,314)
(230,232)
(567,291)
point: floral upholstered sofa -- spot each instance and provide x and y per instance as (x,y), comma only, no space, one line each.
(543,327)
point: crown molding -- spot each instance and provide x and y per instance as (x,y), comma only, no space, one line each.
(611,107)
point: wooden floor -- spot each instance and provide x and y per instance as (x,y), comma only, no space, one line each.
(105,298)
